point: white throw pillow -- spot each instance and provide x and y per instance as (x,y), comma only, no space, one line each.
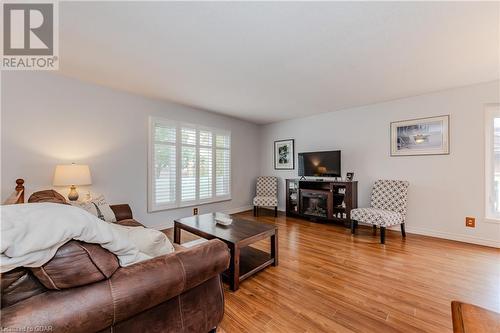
(98,207)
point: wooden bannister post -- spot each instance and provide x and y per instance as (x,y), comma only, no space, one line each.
(20,189)
(18,196)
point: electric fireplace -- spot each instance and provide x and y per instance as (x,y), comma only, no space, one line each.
(314,203)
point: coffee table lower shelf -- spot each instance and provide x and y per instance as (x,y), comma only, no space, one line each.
(252,260)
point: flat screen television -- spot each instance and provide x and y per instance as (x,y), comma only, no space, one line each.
(320,164)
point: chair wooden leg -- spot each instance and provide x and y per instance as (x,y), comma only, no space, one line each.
(382,235)
(276,211)
(403,232)
(354,223)
(374,230)
(254,210)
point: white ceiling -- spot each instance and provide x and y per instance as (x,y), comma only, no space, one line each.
(266,62)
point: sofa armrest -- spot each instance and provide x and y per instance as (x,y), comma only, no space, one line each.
(141,286)
(129,291)
(122,212)
(203,262)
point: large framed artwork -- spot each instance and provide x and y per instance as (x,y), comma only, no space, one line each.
(284,155)
(424,136)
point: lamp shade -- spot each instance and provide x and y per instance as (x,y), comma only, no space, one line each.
(72,174)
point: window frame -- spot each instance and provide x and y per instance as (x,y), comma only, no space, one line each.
(492,111)
(152,205)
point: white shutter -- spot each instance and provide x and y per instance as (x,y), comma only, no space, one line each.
(205,165)
(188,164)
(188,136)
(205,138)
(164,164)
(222,165)
(223,141)
(205,173)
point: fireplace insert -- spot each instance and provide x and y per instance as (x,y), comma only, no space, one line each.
(314,203)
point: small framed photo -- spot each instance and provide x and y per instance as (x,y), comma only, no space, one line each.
(284,155)
(424,136)
(349,177)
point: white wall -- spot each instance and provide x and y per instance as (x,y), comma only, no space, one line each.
(49,119)
(444,189)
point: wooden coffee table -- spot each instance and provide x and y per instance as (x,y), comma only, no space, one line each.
(245,260)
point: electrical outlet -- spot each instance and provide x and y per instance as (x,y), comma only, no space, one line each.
(470,222)
(195,211)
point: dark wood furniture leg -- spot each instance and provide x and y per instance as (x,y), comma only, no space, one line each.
(274,247)
(382,235)
(374,230)
(403,232)
(177,234)
(234,268)
(353,226)
(254,210)
(276,211)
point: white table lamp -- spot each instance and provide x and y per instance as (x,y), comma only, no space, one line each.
(72,175)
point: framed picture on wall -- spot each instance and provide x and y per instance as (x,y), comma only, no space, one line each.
(424,136)
(284,155)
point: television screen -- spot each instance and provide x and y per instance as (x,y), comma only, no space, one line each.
(320,164)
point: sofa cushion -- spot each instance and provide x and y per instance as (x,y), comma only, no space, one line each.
(18,285)
(47,196)
(76,264)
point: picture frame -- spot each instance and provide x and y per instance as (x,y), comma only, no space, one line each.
(284,154)
(422,136)
(349,176)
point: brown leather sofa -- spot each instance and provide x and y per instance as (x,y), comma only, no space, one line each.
(83,289)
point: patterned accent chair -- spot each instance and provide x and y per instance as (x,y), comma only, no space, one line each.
(388,207)
(267,194)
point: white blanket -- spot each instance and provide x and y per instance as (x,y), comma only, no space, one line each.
(32,233)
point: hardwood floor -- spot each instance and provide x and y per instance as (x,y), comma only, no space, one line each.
(330,281)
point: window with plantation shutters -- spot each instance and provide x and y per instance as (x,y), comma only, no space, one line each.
(189,165)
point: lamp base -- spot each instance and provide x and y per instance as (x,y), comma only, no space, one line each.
(73,194)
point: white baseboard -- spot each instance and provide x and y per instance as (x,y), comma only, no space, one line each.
(238,210)
(455,237)
(445,235)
